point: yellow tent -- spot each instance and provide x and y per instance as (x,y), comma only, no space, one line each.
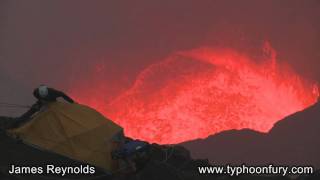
(73,130)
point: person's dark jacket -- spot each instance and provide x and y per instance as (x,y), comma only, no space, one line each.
(51,97)
(27,115)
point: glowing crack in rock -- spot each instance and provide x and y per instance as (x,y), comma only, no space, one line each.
(197,93)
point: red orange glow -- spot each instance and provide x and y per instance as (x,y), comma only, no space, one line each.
(197,93)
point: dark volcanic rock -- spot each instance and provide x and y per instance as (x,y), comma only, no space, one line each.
(292,141)
(5,122)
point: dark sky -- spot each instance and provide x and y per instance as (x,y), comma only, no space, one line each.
(56,42)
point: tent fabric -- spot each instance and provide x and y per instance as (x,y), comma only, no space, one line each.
(73,130)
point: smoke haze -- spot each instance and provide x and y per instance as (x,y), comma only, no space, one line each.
(60,43)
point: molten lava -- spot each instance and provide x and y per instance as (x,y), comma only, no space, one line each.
(197,93)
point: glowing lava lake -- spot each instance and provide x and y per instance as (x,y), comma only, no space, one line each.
(196,93)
